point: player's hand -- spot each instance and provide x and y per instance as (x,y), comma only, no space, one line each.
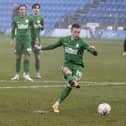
(92,48)
(13,44)
(36,46)
(39,26)
(124,54)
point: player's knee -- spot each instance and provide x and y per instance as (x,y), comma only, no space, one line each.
(66,70)
(68,85)
(26,57)
(18,57)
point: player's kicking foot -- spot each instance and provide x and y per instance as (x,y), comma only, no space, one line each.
(74,84)
(55,108)
(38,76)
(16,77)
(28,78)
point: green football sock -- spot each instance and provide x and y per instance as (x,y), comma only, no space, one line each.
(26,66)
(64,94)
(37,65)
(18,65)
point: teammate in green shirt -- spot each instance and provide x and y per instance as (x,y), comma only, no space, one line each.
(38,26)
(21,38)
(73,66)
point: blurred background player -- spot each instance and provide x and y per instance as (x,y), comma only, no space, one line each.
(73,66)
(38,26)
(22,43)
(124,48)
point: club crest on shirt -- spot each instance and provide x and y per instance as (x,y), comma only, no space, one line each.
(38,21)
(26,21)
(77,45)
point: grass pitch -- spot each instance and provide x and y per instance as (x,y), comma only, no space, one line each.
(29,104)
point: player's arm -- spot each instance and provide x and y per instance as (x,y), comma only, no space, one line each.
(42,24)
(13,33)
(13,29)
(39,27)
(90,48)
(31,25)
(124,48)
(51,46)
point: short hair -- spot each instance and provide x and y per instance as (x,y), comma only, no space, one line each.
(22,5)
(36,4)
(75,26)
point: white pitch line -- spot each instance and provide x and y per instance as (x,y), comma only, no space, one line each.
(21,87)
(63,82)
(39,81)
(59,86)
(41,111)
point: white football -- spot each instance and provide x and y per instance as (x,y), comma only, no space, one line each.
(104,109)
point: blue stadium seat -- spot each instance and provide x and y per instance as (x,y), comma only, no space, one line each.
(107,12)
(51,10)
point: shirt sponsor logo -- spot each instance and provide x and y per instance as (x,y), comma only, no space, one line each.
(71,51)
(22,26)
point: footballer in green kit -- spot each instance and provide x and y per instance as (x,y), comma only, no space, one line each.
(21,40)
(38,26)
(73,66)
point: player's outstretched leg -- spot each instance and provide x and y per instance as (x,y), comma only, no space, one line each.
(66,92)
(63,95)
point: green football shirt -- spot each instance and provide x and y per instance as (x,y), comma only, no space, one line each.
(21,27)
(36,21)
(73,49)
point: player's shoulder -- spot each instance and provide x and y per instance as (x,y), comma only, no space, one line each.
(16,18)
(29,17)
(40,17)
(63,39)
(81,39)
(83,43)
(66,38)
